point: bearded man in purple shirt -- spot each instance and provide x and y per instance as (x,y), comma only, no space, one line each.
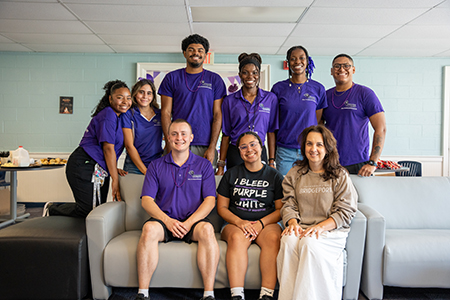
(195,95)
(179,192)
(350,108)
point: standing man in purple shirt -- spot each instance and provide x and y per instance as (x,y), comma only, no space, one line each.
(195,95)
(178,194)
(350,108)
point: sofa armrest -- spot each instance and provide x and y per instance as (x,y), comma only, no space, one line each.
(355,251)
(102,225)
(372,278)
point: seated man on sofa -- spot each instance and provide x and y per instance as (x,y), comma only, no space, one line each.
(178,193)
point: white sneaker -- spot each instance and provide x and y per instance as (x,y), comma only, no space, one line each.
(45,212)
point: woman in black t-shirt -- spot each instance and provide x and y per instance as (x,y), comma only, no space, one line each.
(249,200)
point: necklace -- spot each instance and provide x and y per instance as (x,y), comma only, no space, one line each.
(173,176)
(299,85)
(200,82)
(346,99)
(251,127)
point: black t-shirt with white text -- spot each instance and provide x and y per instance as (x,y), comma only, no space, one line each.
(252,194)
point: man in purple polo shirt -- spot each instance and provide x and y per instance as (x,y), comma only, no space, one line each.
(178,194)
(195,95)
(350,108)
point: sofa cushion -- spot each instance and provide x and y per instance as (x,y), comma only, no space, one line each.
(417,258)
(407,202)
(120,264)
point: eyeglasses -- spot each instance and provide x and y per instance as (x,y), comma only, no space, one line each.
(251,145)
(345,66)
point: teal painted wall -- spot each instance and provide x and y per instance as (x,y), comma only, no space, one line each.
(410,90)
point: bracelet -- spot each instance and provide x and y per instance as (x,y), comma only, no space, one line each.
(262,224)
(271,164)
(271,159)
(221,163)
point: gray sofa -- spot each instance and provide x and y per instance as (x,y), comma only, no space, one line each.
(114,229)
(408,232)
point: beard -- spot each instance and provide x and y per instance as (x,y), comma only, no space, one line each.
(195,64)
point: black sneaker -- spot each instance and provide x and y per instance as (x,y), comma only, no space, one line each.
(141,297)
(208,298)
(266,297)
(236,298)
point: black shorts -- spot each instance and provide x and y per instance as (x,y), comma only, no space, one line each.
(168,236)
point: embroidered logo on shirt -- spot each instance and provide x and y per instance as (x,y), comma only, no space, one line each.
(157,123)
(205,85)
(264,109)
(315,190)
(193,176)
(308,97)
(351,106)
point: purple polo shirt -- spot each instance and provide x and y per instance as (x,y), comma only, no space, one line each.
(193,100)
(179,191)
(147,133)
(347,116)
(104,127)
(297,111)
(238,114)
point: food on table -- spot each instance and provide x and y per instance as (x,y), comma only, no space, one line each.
(53,161)
(388,165)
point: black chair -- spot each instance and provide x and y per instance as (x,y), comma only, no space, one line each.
(415,168)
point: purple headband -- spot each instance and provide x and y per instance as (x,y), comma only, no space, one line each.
(310,68)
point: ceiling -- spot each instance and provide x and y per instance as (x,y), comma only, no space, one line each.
(416,28)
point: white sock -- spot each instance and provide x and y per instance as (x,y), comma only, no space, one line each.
(208,293)
(237,291)
(266,291)
(143,291)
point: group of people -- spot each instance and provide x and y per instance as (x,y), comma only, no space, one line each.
(291,193)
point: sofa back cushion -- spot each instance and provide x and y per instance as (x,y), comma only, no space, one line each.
(135,215)
(407,202)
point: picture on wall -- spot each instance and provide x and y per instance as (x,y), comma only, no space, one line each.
(229,73)
(66,105)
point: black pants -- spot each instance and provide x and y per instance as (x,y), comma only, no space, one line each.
(234,156)
(79,169)
(354,169)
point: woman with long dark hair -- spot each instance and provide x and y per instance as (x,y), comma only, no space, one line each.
(91,165)
(319,203)
(249,200)
(142,130)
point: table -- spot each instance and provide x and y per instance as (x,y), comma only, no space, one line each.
(13,191)
(402,169)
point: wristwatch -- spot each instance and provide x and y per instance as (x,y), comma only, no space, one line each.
(372,163)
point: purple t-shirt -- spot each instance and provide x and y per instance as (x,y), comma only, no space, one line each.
(347,116)
(193,100)
(104,127)
(147,133)
(239,116)
(179,191)
(297,110)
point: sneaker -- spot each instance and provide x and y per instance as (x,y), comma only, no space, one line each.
(45,212)
(208,298)
(141,297)
(236,298)
(266,297)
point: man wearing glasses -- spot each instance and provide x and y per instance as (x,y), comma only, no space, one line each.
(350,108)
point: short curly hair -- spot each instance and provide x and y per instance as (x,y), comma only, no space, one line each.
(195,39)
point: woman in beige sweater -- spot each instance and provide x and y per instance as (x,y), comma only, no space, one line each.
(318,205)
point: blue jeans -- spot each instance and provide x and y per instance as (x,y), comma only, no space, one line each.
(130,167)
(286,157)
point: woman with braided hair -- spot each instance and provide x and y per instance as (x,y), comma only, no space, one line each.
(249,109)
(301,101)
(91,165)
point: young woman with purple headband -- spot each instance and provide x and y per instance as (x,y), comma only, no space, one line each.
(249,109)
(301,101)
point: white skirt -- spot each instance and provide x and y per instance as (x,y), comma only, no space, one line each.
(311,268)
